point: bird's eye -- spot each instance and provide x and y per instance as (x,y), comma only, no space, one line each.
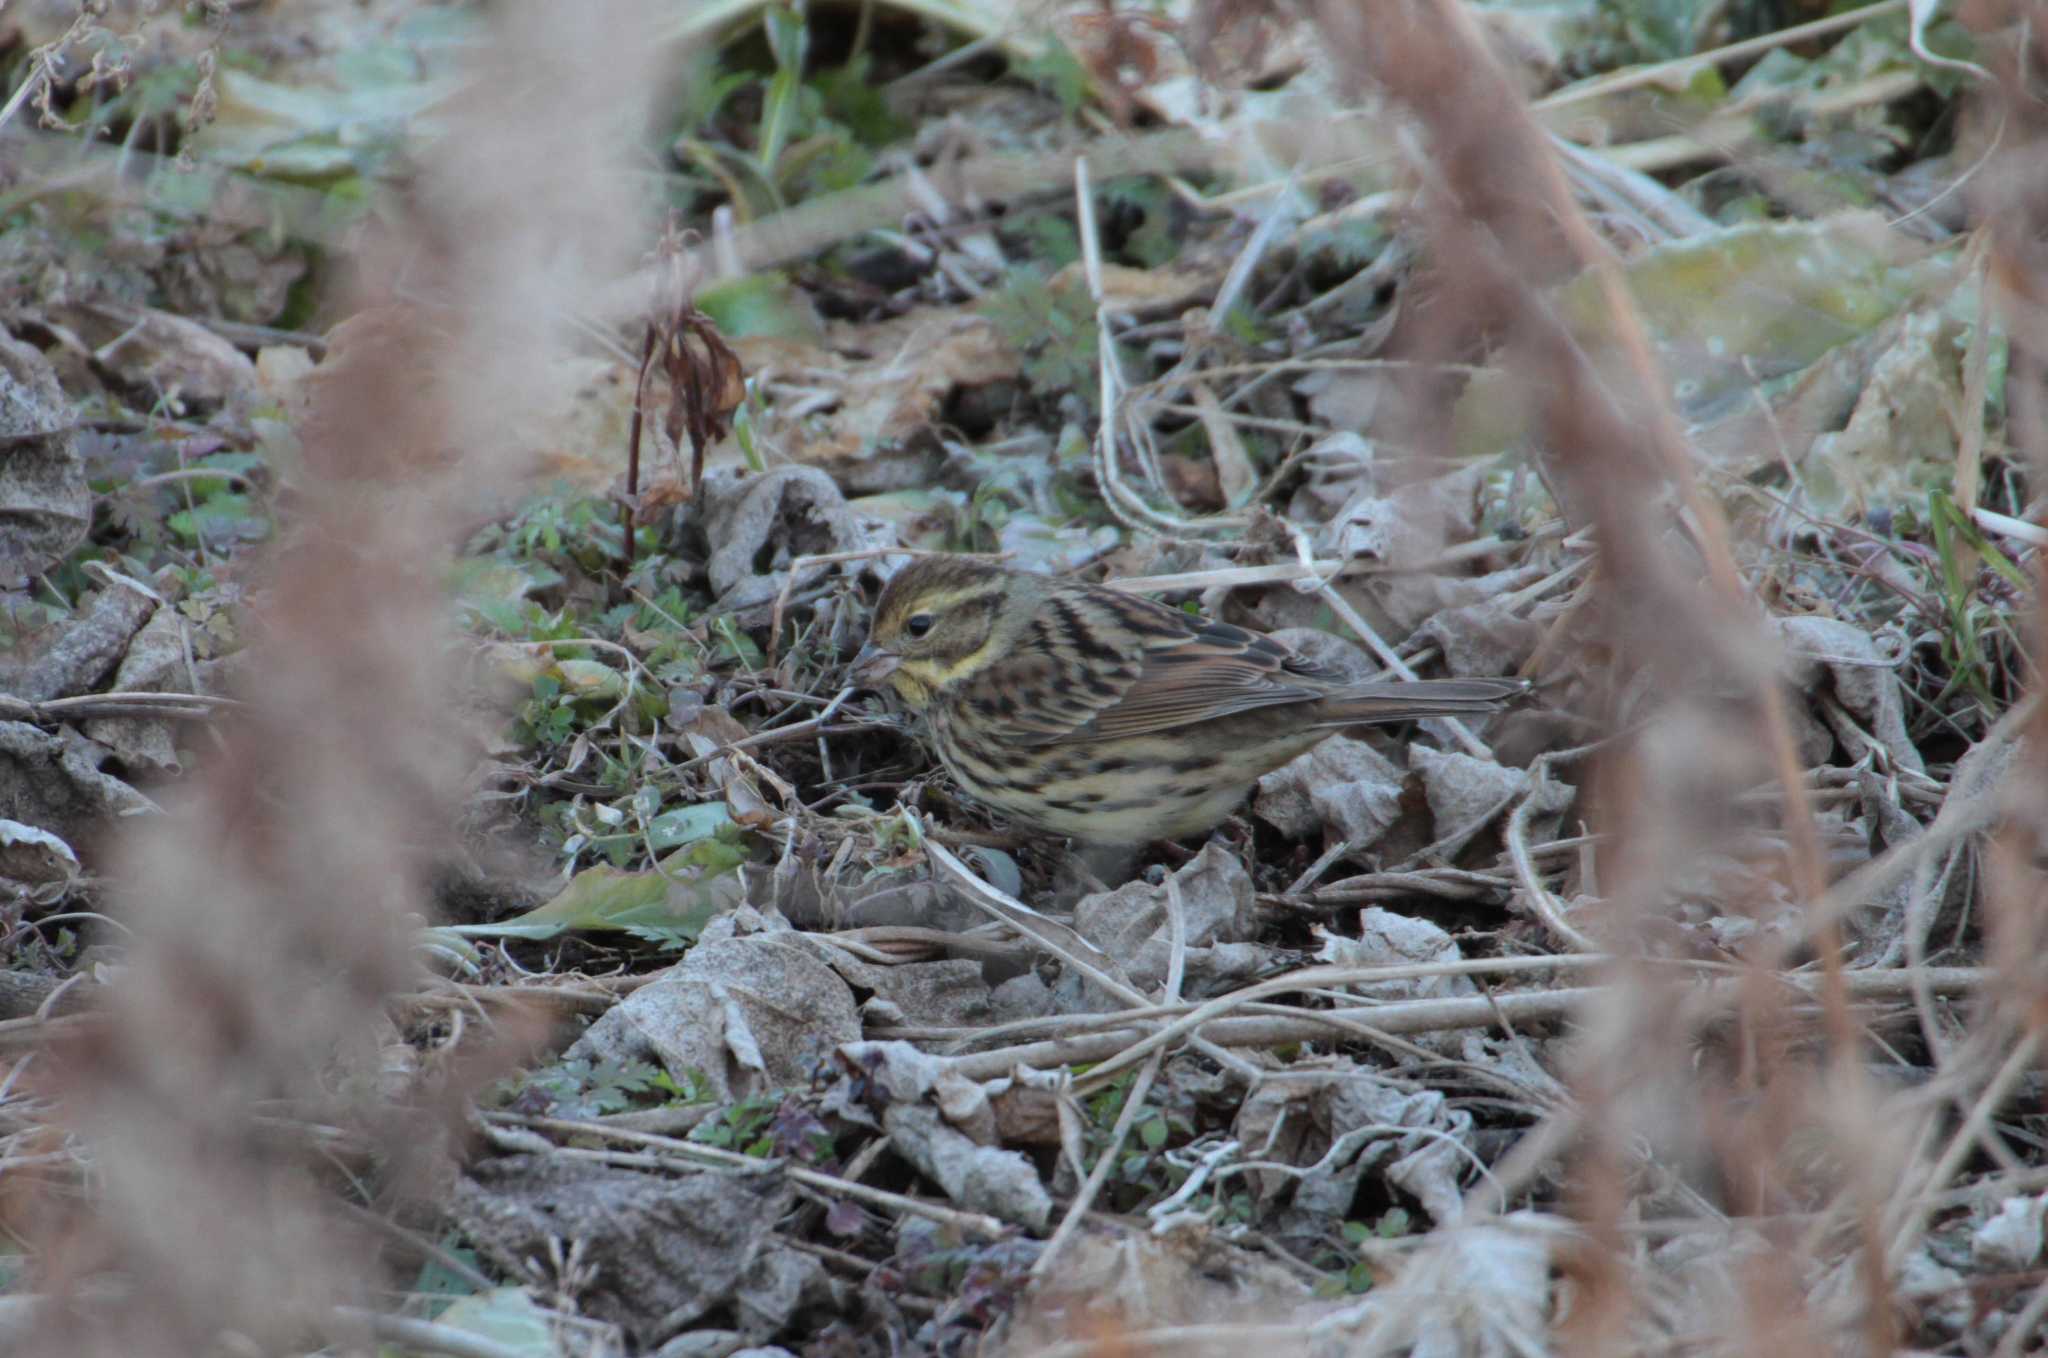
(919,624)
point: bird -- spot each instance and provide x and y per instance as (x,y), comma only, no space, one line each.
(1092,712)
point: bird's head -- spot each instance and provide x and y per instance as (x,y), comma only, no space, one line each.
(941,619)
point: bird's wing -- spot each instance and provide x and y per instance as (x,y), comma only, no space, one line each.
(1102,664)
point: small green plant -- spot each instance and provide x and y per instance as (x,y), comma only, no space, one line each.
(1143,207)
(692,1088)
(562,528)
(582,1088)
(441,1285)
(1976,626)
(1059,73)
(1358,1276)
(1141,1175)
(816,132)
(1053,329)
(746,1127)
(579,1088)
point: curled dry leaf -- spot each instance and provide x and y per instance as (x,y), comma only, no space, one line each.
(1901,436)
(1186,64)
(1387,938)
(662,1250)
(35,862)
(1343,786)
(1864,681)
(1482,639)
(747,1015)
(942,1123)
(1335,1122)
(949,993)
(705,386)
(1482,1289)
(1466,793)
(887,387)
(45,506)
(1218,920)
(75,656)
(774,518)
(156,357)
(2010,1238)
(52,779)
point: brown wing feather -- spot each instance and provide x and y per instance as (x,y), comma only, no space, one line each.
(1101,664)
(1203,670)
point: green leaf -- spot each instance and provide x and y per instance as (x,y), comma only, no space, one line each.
(603,899)
(688,824)
(507,1317)
(591,679)
(1722,307)
(721,853)
(493,589)
(438,1280)
(778,117)
(759,304)
(1060,72)
(304,131)
(788,37)
(852,97)
(220,520)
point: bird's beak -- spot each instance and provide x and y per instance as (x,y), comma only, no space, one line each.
(873,665)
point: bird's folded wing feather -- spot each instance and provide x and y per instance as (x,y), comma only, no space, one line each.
(1104,666)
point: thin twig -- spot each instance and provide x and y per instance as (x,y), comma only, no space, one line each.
(777,736)
(120,703)
(974,1223)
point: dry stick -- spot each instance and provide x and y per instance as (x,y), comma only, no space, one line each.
(1129,507)
(974,1223)
(1452,29)
(425,1335)
(635,426)
(875,940)
(1307,978)
(1056,938)
(777,736)
(119,703)
(1365,632)
(1128,1018)
(2006,526)
(1326,568)
(1960,1147)
(1681,69)
(1958,819)
(2025,1327)
(1400,1016)
(1542,903)
(1732,131)
(1127,1116)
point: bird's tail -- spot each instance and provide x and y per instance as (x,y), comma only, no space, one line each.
(1383,700)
